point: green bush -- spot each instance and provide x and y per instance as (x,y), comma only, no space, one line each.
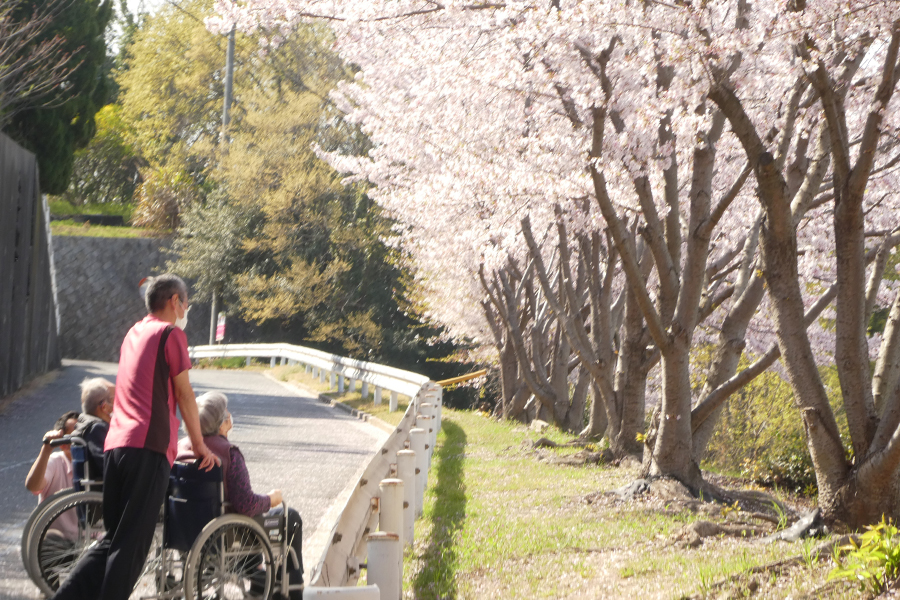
(760,435)
(786,468)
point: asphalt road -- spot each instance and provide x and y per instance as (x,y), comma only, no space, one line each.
(291,441)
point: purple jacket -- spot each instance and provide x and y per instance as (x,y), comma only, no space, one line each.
(237,479)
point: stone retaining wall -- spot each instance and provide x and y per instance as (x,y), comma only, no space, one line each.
(97,282)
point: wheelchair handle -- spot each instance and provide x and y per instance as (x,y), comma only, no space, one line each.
(66,439)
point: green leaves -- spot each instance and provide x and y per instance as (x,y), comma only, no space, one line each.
(106,171)
(874,563)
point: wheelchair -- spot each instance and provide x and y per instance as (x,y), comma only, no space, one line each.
(199,550)
(55,554)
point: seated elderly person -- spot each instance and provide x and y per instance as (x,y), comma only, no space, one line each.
(97,397)
(215,424)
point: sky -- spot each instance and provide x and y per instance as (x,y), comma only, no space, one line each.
(135,6)
(148,5)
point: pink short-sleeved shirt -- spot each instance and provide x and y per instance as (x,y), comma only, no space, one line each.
(144,415)
(58,476)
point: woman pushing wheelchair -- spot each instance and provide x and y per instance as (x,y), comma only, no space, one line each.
(215,424)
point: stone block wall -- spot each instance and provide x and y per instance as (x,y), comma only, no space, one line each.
(97,287)
(97,284)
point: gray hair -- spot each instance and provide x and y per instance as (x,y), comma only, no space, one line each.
(163,287)
(93,393)
(212,407)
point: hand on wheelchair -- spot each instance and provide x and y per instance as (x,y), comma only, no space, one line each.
(53,435)
(275,497)
(206,458)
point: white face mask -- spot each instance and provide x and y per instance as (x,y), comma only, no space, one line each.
(181,323)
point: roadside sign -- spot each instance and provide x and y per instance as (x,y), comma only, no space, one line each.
(220,328)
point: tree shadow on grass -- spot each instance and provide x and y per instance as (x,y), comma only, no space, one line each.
(437,578)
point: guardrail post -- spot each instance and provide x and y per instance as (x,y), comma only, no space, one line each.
(282,361)
(331,379)
(272,363)
(434,398)
(384,564)
(427,409)
(365,390)
(341,383)
(321,375)
(247,361)
(433,411)
(378,391)
(406,470)
(393,406)
(391,516)
(306,368)
(352,385)
(419,445)
(426,423)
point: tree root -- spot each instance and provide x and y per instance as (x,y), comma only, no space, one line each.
(711,499)
(584,457)
(581,458)
(548,443)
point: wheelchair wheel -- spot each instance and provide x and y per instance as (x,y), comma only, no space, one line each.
(66,529)
(231,559)
(27,531)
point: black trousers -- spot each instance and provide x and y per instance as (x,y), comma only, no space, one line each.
(134,487)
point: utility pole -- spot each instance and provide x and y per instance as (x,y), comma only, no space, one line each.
(229,78)
(226,119)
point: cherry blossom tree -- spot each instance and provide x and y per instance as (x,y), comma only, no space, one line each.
(748,148)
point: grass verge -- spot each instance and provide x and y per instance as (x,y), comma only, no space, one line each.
(62,207)
(499,522)
(71,228)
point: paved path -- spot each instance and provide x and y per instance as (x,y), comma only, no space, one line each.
(313,452)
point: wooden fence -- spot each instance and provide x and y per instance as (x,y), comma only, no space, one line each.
(28,328)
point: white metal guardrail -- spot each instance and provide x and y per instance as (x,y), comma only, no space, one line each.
(389,494)
(339,367)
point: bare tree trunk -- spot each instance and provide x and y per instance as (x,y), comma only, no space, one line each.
(514,389)
(575,417)
(635,362)
(540,363)
(887,367)
(779,252)
(617,411)
(560,379)
(722,380)
(851,349)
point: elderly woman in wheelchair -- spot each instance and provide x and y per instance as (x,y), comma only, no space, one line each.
(215,424)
